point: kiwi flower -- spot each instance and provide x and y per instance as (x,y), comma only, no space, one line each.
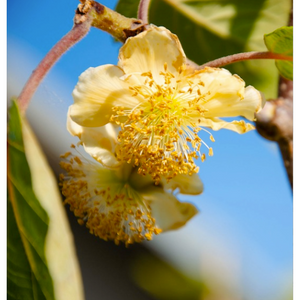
(119,204)
(161,104)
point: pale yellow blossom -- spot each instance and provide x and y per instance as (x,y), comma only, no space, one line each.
(119,204)
(161,105)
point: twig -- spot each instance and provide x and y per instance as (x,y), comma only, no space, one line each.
(79,30)
(88,13)
(143,11)
(226,60)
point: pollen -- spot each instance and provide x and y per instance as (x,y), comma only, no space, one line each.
(109,208)
(159,135)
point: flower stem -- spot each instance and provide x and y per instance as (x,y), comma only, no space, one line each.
(72,37)
(143,10)
(226,60)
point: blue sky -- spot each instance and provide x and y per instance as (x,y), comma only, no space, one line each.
(247,201)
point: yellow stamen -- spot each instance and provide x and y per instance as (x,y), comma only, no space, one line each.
(155,134)
(117,213)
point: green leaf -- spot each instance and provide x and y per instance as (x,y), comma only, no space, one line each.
(41,257)
(213,29)
(128,8)
(281,41)
(21,281)
(31,219)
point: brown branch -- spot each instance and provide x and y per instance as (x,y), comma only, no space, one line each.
(275,120)
(80,29)
(230,59)
(143,11)
(275,123)
(88,13)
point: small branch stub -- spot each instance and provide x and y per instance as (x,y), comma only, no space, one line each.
(117,25)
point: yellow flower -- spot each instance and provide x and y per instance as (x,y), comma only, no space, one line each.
(119,204)
(161,104)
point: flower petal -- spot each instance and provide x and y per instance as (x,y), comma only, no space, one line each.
(216,124)
(72,127)
(168,212)
(187,184)
(99,142)
(97,91)
(228,96)
(150,50)
(224,106)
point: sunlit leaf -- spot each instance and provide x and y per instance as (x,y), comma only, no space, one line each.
(281,41)
(212,29)
(41,257)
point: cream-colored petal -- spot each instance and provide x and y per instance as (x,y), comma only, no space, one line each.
(226,95)
(168,212)
(190,185)
(97,91)
(72,127)
(99,142)
(213,81)
(214,76)
(150,50)
(216,124)
(254,96)
(234,105)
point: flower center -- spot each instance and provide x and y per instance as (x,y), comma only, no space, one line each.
(160,135)
(109,207)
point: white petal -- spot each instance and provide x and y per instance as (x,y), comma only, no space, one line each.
(97,91)
(168,212)
(150,50)
(190,185)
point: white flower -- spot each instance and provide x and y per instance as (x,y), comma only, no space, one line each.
(119,204)
(161,104)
